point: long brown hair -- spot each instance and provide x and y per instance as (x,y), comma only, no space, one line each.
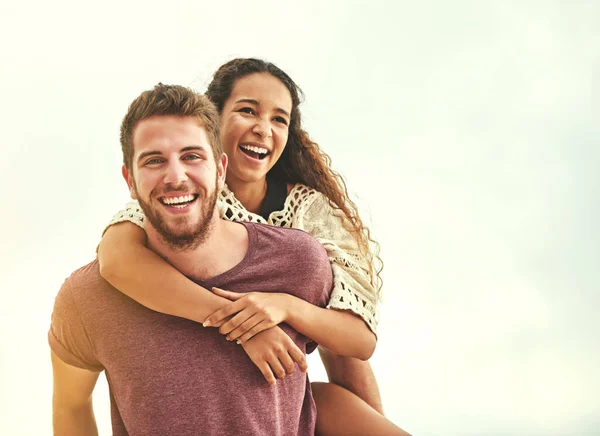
(302,160)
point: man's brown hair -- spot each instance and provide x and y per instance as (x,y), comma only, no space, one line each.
(170,100)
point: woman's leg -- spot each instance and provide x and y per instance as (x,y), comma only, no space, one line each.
(353,374)
(340,412)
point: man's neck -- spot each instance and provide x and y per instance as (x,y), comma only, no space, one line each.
(250,194)
(225,246)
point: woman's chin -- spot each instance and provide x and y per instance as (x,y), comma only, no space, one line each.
(245,175)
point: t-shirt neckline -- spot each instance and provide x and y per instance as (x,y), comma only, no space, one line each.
(235,270)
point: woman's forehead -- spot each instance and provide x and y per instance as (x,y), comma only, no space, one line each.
(264,89)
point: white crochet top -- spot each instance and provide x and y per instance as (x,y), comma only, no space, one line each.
(309,210)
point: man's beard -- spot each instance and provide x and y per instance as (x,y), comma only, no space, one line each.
(187,238)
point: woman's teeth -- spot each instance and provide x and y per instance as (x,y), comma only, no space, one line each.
(253,151)
(258,150)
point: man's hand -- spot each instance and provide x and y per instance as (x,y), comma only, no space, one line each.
(249,314)
(274,353)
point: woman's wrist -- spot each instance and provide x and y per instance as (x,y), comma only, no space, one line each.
(293,309)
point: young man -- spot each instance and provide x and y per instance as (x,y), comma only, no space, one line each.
(169,375)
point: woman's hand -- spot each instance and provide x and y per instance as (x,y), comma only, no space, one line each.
(248,314)
(274,353)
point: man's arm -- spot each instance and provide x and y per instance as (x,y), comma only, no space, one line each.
(353,374)
(72,412)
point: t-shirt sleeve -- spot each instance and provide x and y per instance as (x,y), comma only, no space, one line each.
(67,336)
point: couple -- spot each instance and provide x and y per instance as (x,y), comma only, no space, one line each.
(259,290)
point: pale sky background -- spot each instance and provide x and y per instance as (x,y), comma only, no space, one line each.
(468,130)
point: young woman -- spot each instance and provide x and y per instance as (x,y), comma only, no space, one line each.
(276,175)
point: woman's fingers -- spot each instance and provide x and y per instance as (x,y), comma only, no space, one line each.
(237,327)
(287,362)
(217,318)
(263,324)
(267,373)
(274,347)
(235,321)
(298,357)
(276,366)
(233,296)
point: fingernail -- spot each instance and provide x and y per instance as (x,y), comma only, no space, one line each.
(206,324)
(239,342)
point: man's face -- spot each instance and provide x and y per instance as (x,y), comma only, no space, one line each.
(175,178)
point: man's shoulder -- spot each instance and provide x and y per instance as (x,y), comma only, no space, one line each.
(277,230)
(84,295)
(85,274)
(284,235)
(288,245)
(83,281)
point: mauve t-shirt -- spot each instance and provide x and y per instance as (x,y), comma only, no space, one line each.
(171,376)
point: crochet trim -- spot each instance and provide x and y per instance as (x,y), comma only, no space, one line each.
(352,285)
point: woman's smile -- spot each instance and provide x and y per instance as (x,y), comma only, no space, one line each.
(254,126)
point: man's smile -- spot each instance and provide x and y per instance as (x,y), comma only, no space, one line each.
(178,202)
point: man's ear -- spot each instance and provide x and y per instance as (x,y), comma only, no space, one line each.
(130,183)
(221,170)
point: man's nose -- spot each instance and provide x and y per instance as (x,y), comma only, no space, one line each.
(175,173)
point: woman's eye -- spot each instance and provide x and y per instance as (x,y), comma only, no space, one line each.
(247,110)
(281,120)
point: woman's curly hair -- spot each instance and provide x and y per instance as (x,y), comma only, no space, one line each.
(302,160)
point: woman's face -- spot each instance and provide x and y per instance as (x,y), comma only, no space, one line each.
(254,126)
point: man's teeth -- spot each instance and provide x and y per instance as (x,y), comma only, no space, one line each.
(254,149)
(177,200)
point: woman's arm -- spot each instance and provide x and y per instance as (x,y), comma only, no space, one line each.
(353,298)
(342,332)
(138,272)
(353,284)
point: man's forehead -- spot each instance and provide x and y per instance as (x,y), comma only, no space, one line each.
(167,125)
(169,133)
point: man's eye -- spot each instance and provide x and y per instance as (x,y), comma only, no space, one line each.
(191,157)
(153,161)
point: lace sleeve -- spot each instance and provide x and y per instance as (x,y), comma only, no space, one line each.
(132,212)
(352,281)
